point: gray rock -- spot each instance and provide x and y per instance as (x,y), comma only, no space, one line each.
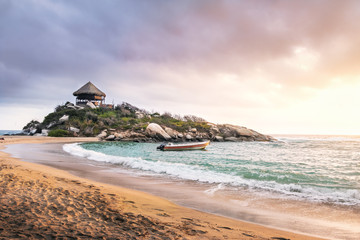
(90,105)
(188,137)
(72,107)
(219,138)
(110,138)
(139,114)
(89,131)
(102,135)
(155,131)
(231,139)
(229,130)
(193,130)
(69,104)
(243,131)
(44,132)
(64,118)
(172,133)
(119,135)
(32,131)
(50,125)
(73,129)
(180,135)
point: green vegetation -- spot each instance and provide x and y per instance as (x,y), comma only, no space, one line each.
(124,117)
(32,123)
(59,133)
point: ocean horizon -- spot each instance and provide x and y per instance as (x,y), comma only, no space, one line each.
(9,132)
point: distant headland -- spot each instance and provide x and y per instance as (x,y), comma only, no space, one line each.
(90,116)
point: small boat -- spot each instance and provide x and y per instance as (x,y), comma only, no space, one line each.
(183,146)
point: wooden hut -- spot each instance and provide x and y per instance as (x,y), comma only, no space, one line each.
(89,93)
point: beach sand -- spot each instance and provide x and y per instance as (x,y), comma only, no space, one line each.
(38,201)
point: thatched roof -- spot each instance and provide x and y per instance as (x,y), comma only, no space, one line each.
(89,88)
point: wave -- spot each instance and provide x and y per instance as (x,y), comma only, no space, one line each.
(197,173)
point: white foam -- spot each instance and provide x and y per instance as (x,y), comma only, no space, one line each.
(213,190)
(196,173)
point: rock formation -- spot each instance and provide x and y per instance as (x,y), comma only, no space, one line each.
(129,123)
(156,131)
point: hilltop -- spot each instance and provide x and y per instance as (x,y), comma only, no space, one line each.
(126,122)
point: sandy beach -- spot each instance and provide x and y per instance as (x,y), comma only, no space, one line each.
(38,201)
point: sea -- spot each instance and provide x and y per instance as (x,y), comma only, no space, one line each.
(305,184)
(318,169)
(9,132)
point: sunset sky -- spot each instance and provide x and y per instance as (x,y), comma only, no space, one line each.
(272,66)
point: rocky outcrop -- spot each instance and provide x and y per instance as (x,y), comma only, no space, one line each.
(219,139)
(110,138)
(63,119)
(154,130)
(102,135)
(128,123)
(171,132)
(32,128)
(154,133)
(238,134)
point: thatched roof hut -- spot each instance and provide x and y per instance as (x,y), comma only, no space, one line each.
(90,89)
(89,93)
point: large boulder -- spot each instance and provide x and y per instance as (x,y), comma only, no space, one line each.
(172,133)
(110,138)
(229,130)
(74,129)
(219,138)
(193,130)
(44,132)
(188,137)
(102,135)
(64,118)
(231,139)
(118,136)
(156,131)
(243,131)
(90,105)
(139,114)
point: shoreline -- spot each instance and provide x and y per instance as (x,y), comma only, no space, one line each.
(163,218)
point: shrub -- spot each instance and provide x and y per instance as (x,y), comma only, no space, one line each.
(33,123)
(59,133)
(108,114)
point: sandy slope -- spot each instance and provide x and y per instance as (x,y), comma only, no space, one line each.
(41,202)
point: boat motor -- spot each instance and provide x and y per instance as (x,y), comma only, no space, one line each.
(161,147)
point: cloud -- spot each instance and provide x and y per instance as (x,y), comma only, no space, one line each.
(247,54)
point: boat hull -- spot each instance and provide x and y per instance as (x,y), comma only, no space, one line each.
(186,147)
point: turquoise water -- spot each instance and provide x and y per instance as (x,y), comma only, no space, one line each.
(318,169)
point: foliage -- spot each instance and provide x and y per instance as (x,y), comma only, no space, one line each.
(59,133)
(32,123)
(108,114)
(124,117)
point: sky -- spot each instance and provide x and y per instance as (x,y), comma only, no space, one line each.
(273,66)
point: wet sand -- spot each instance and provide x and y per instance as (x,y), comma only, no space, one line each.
(39,201)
